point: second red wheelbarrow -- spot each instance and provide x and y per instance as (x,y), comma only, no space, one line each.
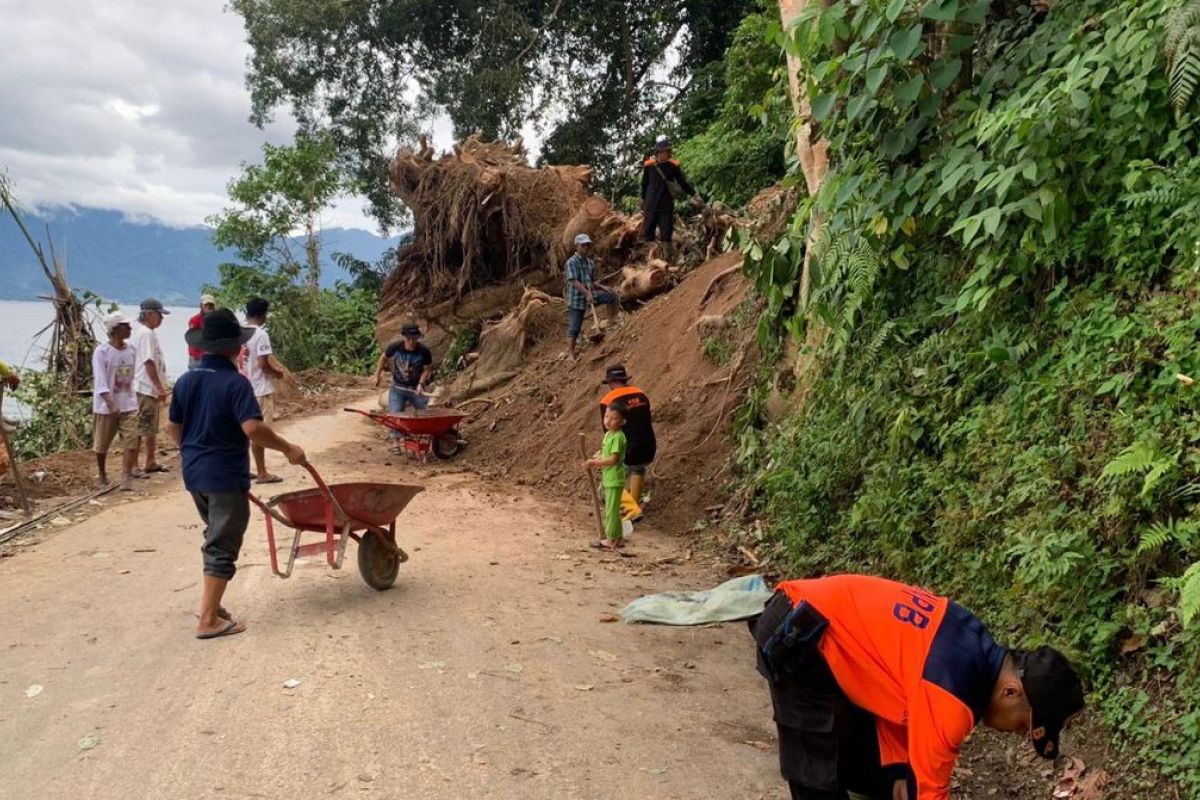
(364,512)
(423,432)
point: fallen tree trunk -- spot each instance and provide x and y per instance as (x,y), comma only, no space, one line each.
(644,281)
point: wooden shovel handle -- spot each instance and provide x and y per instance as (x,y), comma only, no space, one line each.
(591,483)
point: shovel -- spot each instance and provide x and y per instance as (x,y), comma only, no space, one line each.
(597,334)
(591,482)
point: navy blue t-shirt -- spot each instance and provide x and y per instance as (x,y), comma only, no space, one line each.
(407,365)
(211,401)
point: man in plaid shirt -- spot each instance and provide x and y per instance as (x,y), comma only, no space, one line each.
(582,289)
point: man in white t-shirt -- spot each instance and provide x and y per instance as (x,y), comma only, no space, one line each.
(114,403)
(150,381)
(262,374)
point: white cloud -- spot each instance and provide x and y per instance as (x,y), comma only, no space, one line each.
(133,105)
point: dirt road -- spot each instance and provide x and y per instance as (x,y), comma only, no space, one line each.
(485,673)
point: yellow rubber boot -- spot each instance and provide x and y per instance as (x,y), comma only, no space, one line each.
(630,510)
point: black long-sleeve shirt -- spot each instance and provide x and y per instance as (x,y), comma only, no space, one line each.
(639,430)
(655,194)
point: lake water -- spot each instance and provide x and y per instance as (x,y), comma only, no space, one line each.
(20,320)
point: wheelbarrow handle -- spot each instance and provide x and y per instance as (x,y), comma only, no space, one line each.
(343,517)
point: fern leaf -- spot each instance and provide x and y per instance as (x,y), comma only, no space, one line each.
(1155,537)
(1138,457)
(1181,45)
(1178,23)
(1185,73)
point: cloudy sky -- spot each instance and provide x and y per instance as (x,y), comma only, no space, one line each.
(133,105)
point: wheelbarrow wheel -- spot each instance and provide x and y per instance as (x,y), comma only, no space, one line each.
(378,564)
(447,445)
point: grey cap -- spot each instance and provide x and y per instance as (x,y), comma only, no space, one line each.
(150,304)
(662,143)
(582,238)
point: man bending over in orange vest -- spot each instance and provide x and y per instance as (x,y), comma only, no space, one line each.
(876,684)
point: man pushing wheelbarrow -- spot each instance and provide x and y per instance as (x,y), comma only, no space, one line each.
(213,418)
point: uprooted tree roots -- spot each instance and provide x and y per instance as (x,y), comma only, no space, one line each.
(481,215)
(502,346)
(484,219)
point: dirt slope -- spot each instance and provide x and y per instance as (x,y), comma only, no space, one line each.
(531,434)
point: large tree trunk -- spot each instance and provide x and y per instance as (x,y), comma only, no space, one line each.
(813,153)
(811,149)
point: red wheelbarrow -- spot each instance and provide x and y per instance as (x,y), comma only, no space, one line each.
(423,432)
(365,512)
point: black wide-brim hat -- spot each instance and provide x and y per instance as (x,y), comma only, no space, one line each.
(615,373)
(220,332)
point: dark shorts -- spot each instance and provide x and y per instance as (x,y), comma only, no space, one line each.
(225,515)
(661,220)
(637,469)
(575,315)
(826,743)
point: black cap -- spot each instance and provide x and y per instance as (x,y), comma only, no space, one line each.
(220,333)
(615,373)
(411,331)
(1055,694)
(150,304)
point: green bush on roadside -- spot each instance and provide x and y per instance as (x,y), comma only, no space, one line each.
(331,328)
(57,419)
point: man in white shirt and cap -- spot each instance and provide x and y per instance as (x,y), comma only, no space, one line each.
(114,403)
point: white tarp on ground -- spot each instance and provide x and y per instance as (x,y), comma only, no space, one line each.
(740,598)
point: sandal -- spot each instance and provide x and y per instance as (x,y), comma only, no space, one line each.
(229,630)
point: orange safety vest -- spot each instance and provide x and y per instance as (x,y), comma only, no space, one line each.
(922,664)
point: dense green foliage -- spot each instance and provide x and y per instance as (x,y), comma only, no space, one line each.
(311,327)
(58,419)
(329,328)
(286,192)
(742,150)
(599,78)
(1003,295)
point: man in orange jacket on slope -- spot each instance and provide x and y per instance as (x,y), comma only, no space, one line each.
(875,684)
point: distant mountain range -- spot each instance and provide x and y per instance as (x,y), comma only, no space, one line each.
(126,260)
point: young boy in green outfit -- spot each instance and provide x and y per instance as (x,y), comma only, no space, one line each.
(612,464)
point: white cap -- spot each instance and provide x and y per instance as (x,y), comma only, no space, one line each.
(582,238)
(111,321)
(207,299)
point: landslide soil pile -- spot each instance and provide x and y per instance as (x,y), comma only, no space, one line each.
(529,429)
